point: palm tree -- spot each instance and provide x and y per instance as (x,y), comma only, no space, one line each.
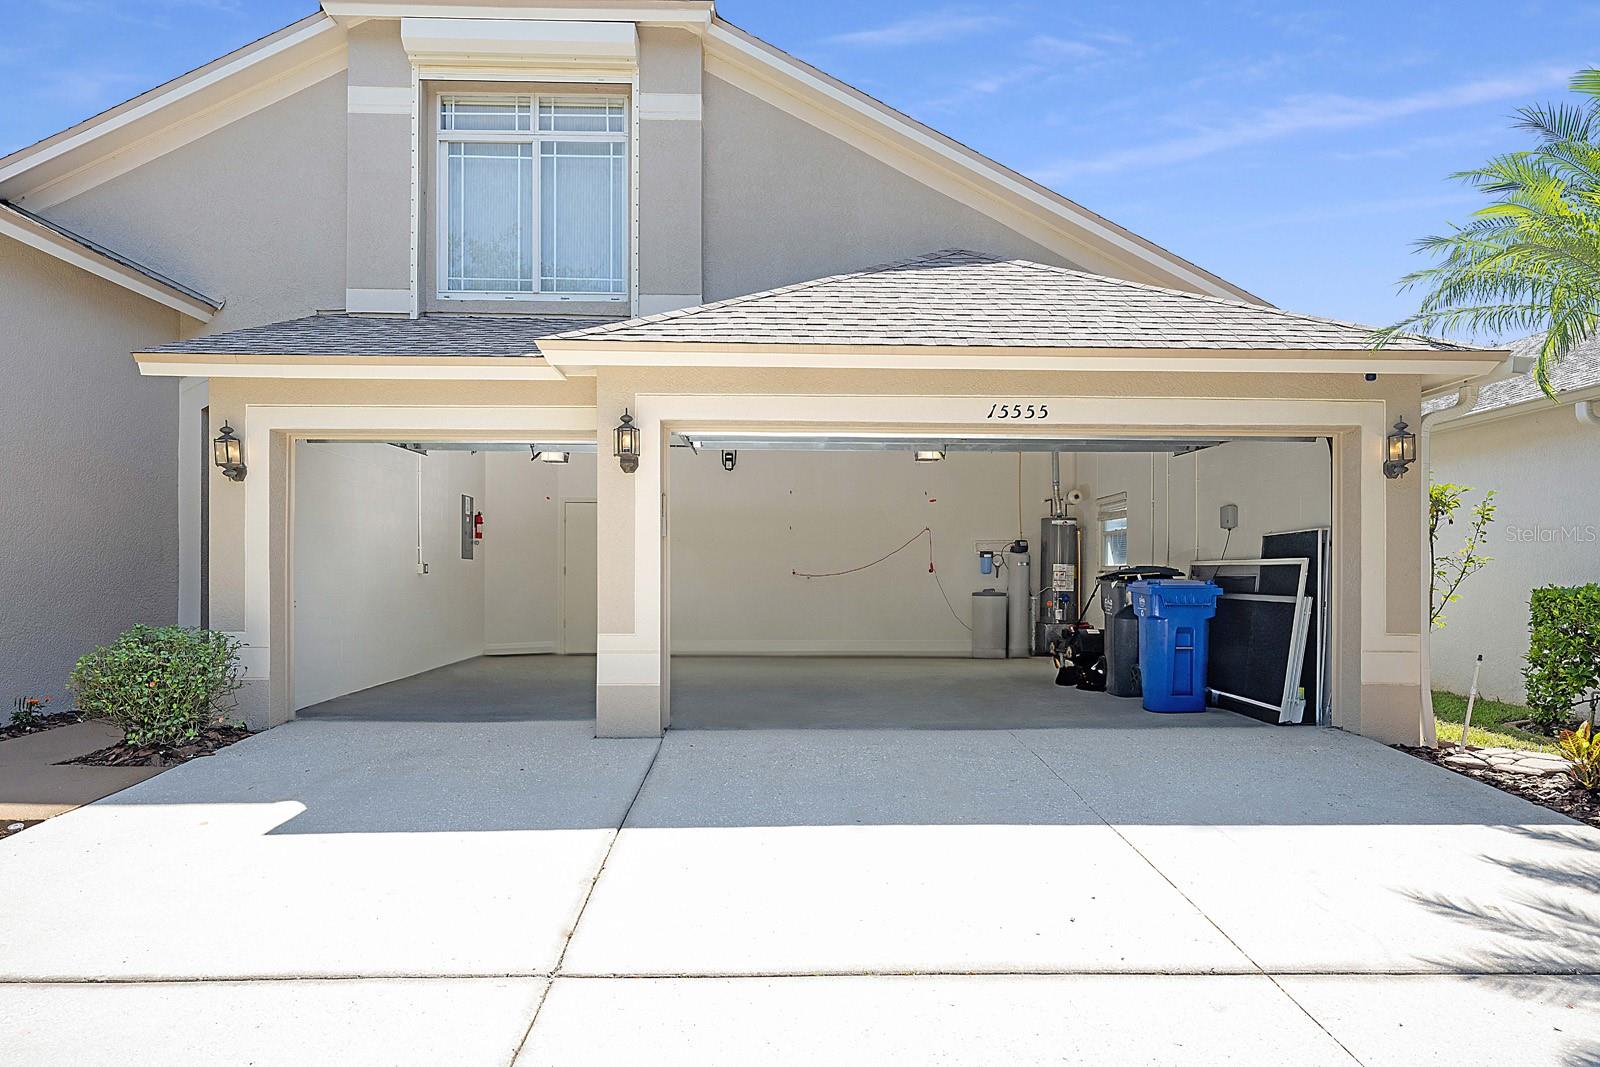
(1530,261)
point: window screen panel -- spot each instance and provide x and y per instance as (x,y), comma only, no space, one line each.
(512,114)
(581,116)
(490,224)
(583,216)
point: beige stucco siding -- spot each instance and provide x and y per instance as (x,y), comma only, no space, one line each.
(786,202)
(253,214)
(89,544)
(1543,466)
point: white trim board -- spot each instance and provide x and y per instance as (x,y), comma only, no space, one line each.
(42,238)
(532,648)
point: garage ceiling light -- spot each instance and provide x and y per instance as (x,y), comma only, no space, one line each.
(931,455)
(550,457)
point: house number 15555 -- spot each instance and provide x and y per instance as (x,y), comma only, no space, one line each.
(1019,411)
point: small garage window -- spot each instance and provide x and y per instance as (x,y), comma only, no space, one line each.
(1113,511)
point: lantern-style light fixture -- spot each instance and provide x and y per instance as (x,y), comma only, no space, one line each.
(1400,450)
(626,438)
(227,452)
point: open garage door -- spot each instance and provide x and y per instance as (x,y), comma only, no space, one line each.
(900,580)
(441,581)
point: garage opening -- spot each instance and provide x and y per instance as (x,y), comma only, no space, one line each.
(443,581)
(851,581)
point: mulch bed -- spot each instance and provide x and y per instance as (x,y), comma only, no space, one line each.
(211,739)
(44,722)
(1555,792)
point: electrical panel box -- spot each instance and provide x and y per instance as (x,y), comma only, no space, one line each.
(467,530)
(1230,516)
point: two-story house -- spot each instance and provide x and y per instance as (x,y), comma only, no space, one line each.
(683,319)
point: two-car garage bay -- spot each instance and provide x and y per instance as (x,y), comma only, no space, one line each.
(826,581)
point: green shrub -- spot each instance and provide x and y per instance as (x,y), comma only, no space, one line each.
(161,685)
(1581,747)
(1563,671)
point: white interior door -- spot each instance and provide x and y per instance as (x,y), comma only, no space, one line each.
(579,578)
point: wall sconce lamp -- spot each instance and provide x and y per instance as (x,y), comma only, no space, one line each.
(1401,450)
(626,438)
(227,452)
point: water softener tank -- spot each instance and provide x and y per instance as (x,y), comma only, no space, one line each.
(1019,586)
(989,624)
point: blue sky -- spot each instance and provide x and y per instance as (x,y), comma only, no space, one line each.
(1295,149)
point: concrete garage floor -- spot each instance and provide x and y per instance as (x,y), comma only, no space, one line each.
(391,887)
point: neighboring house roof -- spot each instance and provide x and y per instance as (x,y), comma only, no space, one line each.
(431,336)
(1579,369)
(958,298)
(56,240)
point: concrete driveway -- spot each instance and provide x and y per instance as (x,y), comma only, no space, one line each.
(348,892)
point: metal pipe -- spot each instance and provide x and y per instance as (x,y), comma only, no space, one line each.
(1058,507)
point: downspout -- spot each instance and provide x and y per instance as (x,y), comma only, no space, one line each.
(1467,398)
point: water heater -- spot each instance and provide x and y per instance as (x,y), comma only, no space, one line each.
(1057,558)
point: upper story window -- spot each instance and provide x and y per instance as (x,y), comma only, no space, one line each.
(533,196)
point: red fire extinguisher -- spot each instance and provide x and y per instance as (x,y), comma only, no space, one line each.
(477,527)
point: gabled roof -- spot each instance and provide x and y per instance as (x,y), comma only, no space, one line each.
(1577,371)
(972,300)
(431,336)
(56,240)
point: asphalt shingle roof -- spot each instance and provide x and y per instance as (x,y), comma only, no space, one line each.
(1579,369)
(974,300)
(375,335)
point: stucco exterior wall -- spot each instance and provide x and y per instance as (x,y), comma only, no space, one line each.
(786,202)
(1544,467)
(253,214)
(88,546)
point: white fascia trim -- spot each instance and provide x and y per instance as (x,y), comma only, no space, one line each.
(675,14)
(672,107)
(378,301)
(367,368)
(884,135)
(53,244)
(379,99)
(846,358)
(323,64)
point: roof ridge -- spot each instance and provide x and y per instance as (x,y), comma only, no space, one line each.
(782,290)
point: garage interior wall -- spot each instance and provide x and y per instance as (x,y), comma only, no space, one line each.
(1174,501)
(738,536)
(363,615)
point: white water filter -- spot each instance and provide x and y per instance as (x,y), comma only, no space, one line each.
(1019,595)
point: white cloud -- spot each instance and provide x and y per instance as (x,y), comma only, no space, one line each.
(1309,113)
(942,25)
(1050,46)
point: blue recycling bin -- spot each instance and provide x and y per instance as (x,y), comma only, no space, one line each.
(1174,624)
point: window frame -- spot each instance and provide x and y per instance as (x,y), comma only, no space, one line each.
(1112,509)
(535,137)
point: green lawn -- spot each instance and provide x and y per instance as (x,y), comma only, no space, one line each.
(1488,717)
